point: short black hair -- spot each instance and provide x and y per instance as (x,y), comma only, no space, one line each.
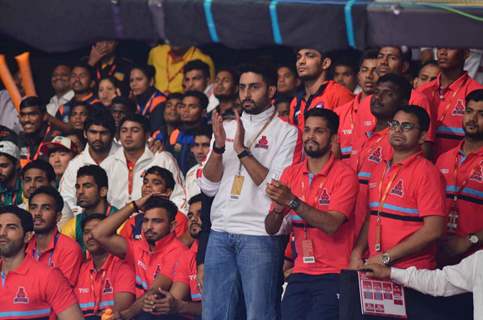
(268,74)
(419,112)
(330,117)
(164,203)
(475,95)
(131,107)
(369,54)
(346,57)
(202,98)
(88,67)
(53,193)
(98,173)
(80,103)
(195,198)
(197,65)
(33,101)
(175,95)
(403,85)
(92,216)
(406,54)
(290,66)
(138,118)
(165,174)
(26,220)
(147,69)
(283,97)
(232,71)
(101,117)
(40,165)
(203,131)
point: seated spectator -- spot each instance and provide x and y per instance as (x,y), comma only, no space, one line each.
(167,134)
(225,89)
(77,138)
(48,290)
(120,108)
(345,69)
(60,82)
(428,72)
(126,166)
(82,82)
(10,181)
(59,152)
(78,115)
(36,174)
(170,305)
(156,257)
(35,129)
(282,105)
(107,64)
(107,90)
(200,149)
(169,62)
(196,77)
(159,181)
(191,113)
(91,193)
(149,101)
(288,81)
(105,281)
(48,246)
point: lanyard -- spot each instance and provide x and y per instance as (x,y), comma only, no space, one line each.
(92,279)
(148,105)
(109,73)
(36,253)
(256,137)
(449,104)
(307,194)
(371,150)
(455,175)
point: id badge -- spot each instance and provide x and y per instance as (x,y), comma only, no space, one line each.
(237,186)
(308,251)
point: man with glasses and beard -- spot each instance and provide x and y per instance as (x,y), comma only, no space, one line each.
(319,196)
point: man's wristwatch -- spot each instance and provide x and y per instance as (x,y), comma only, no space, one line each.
(386,259)
(218,150)
(243,154)
(473,239)
(294,204)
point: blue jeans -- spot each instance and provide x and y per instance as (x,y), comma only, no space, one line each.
(311,297)
(236,265)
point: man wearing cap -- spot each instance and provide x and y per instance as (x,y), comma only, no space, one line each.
(10,182)
(59,152)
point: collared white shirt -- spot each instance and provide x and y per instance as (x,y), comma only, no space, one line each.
(192,176)
(69,178)
(117,172)
(56,101)
(467,276)
(274,149)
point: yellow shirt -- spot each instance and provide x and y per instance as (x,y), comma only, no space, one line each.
(169,72)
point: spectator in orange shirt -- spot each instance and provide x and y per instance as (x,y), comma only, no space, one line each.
(345,68)
(319,92)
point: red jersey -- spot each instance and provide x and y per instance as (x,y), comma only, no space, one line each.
(348,120)
(402,195)
(34,291)
(187,272)
(132,229)
(330,95)
(449,109)
(464,189)
(334,188)
(63,253)
(163,260)
(95,289)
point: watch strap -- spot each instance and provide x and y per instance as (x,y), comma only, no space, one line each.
(218,150)
(243,154)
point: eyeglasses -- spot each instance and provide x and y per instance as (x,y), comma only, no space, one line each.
(403,126)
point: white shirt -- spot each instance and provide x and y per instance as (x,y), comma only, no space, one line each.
(117,171)
(274,149)
(56,101)
(192,187)
(467,276)
(8,113)
(213,101)
(69,178)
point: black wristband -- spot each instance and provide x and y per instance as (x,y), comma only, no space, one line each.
(243,154)
(218,150)
(135,206)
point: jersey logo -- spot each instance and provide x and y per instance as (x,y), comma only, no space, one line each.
(459,108)
(157,272)
(376,155)
(320,106)
(398,189)
(444,170)
(262,143)
(21,296)
(477,175)
(107,287)
(324,197)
